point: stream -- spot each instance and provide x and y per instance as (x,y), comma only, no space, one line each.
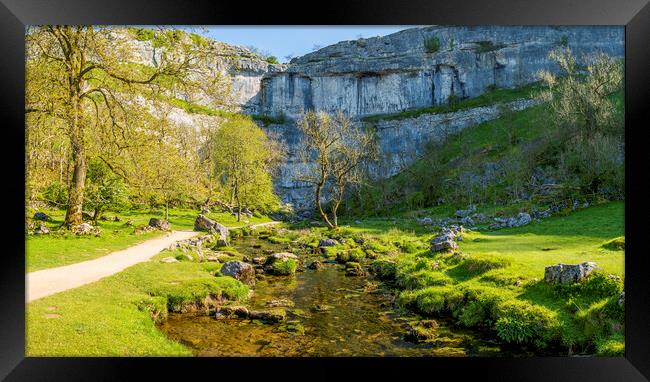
(332,315)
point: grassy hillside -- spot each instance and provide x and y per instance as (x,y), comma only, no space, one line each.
(514,145)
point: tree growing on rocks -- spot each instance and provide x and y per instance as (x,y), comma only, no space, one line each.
(333,154)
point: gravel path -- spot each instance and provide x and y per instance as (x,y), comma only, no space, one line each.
(54,280)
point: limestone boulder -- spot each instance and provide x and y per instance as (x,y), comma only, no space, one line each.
(568,273)
(239,270)
(161,224)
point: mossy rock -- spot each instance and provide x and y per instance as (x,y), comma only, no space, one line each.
(616,244)
(354,255)
(269,315)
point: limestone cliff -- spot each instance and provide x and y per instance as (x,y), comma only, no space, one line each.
(414,68)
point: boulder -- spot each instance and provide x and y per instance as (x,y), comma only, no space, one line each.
(259,260)
(447,245)
(275,263)
(354,269)
(272,315)
(327,242)
(280,256)
(523,219)
(425,221)
(85,229)
(169,259)
(467,221)
(239,311)
(464,213)
(42,230)
(41,216)
(161,224)
(203,223)
(567,273)
(239,270)
(444,242)
(316,264)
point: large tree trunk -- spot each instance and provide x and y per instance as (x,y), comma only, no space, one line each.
(73,215)
(322,213)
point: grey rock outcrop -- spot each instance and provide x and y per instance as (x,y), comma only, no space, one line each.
(41,216)
(567,274)
(327,242)
(159,224)
(203,223)
(239,270)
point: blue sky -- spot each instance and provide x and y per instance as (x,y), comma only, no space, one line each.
(281,41)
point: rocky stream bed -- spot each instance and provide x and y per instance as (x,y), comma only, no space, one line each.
(319,312)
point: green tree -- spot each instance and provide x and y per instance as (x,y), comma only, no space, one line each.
(580,97)
(85,79)
(104,189)
(244,159)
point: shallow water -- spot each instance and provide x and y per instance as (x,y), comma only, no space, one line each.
(341,316)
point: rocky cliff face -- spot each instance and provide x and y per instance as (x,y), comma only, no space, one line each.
(423,66)
(415,68)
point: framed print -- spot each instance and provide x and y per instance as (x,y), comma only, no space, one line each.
(427,186)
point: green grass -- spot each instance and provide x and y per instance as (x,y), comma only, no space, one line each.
(490,97)
(496,281)
(63,248)
(113,317)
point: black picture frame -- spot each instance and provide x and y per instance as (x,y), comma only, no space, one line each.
(634,14)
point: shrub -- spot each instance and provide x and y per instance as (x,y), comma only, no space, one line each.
(415,200)
(521,322)
(613,346)
(439,299)
(408,247)
(421,279)
(142,34)
(384,268)
(481,307)
(279,239)
(56,194)
(600,284)
(272,60)
(593,164)
(615,244)
(432,44)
